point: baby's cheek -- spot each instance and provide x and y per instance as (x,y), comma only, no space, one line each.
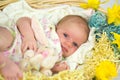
(73,49)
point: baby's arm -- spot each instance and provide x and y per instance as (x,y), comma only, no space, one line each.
(8,69)
(60,67)
(28,37)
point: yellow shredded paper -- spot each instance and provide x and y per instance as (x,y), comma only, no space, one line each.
(102,51)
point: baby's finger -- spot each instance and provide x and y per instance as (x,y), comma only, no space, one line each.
(35,48)
(13,77)
(67,67)
(38,50)
(10,78)
(20,75)
(64,63)
(6,78)
(30,47)
(24,48)
(16,78)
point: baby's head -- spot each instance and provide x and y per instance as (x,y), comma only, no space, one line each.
(6,39)
(73,31)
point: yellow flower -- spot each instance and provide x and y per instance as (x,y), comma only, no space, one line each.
(117,39)
(106,70)
(114,15)
(91,4)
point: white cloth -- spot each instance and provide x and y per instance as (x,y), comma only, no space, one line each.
(14,11)
(78,57)
(45,34)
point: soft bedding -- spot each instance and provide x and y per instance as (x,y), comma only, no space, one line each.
(12,12)
(95,51)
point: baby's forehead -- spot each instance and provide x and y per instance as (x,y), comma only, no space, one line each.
(71,18)
(75,20)
(78,25)
(79,35)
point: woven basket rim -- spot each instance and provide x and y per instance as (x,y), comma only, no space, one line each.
(42,3)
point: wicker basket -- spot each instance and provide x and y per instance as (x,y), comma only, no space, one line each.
(42,3)
(51,3)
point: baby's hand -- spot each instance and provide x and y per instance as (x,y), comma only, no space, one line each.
(60,67)
(11,71)
(29,43)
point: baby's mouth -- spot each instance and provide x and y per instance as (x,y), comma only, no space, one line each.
(64,49)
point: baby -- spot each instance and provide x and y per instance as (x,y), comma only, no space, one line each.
(72,31)
(8,68)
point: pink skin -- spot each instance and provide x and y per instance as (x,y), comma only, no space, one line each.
(71,33)
(10,71)
(60,67)
(71,37)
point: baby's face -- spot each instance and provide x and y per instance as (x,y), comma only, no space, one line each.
(71,37)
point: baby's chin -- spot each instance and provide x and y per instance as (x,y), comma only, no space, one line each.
(65,55)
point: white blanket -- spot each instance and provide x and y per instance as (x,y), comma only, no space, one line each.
(14,11)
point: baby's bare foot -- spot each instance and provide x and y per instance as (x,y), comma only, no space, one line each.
(9,70)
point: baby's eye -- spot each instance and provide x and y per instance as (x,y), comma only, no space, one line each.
(75,44)
(65,35)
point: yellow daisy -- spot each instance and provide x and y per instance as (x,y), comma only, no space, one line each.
(91,4)
(117,39)
(114,15)
(106,70)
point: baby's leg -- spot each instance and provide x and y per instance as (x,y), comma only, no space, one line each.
(6,39)
(7,66)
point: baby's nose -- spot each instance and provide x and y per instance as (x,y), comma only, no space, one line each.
(69,45)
